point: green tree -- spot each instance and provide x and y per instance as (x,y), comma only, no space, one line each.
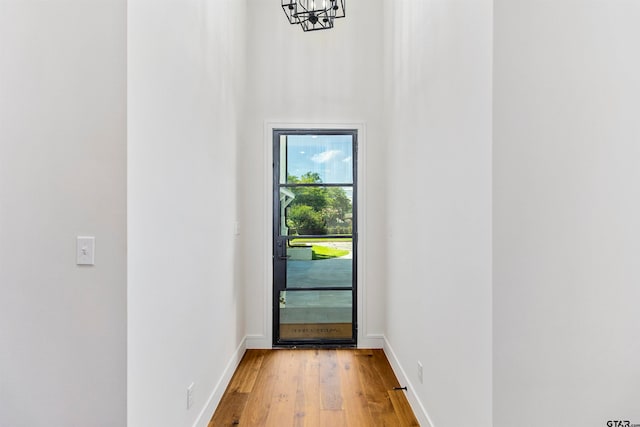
(318,210)
(306,220)
(316,197)
(337,212)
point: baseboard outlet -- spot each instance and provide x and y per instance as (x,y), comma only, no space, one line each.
(416,405)
(214,399)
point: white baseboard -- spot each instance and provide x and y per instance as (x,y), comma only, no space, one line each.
(371,341)
(416,405)
(258,342)
(214,399)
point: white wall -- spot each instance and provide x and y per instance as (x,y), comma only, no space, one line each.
(62,174)
(566,212)
(282,60)
(186,317)
(438,110)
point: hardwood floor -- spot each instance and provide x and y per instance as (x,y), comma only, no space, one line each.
(314,388)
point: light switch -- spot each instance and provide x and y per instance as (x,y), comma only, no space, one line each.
(85,250)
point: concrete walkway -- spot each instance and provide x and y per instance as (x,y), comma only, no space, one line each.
(320,273)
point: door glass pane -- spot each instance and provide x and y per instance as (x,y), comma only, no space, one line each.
(316,263)
(316,158)
(315,314)
(317,211)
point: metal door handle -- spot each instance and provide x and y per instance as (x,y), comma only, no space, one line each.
(282,250)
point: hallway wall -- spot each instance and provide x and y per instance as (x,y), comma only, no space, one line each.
(311,78)
(438,113)
(186,309)
(62,174)
(566,212)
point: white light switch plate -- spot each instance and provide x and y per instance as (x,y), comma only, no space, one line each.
(85,250)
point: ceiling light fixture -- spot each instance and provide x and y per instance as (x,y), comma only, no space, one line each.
(313,15)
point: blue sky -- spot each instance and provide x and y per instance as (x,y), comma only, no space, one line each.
(328,155)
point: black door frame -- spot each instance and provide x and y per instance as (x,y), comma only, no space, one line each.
(279,243)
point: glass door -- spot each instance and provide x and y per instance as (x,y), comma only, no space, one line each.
(314,237)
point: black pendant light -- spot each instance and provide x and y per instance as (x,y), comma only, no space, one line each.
(313,15)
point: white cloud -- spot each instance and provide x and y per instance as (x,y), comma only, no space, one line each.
(325,156)
(347,160)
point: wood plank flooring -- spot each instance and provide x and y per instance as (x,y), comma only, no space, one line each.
(314,388)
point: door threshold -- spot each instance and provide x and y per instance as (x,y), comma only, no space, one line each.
(313,346)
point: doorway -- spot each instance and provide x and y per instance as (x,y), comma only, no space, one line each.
(314,237)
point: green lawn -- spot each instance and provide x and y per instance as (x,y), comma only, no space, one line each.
(317,240)
(323,252)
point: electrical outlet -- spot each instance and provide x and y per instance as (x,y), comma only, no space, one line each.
(420,372)
(190,395)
